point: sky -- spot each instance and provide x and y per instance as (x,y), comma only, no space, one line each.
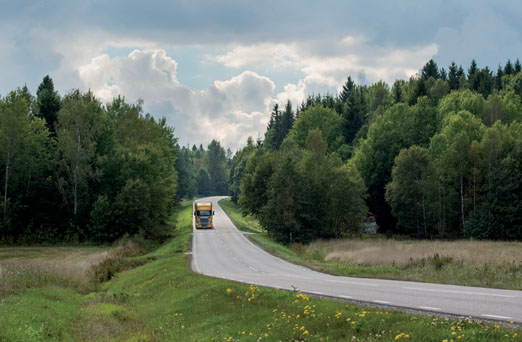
(215,69)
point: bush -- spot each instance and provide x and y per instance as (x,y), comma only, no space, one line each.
(481,224)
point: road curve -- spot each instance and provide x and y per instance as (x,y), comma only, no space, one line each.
(224,252)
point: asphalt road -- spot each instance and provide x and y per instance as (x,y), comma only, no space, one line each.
(225,252)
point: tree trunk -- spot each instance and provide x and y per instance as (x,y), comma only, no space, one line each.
(5,189)
(424,215)
(75,172)
(75,191)
(443,209)
(6,178)
(29,178)
(462,198)
(474,190)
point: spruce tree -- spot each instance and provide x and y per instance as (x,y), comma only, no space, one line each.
(498,78)
(419,90)
(274,130)
(397,91)
(453,76)
(443,75)
(430,70)
(508,69)
(472,69)
(347,89)
(47,103)
(518,66)
(287,121)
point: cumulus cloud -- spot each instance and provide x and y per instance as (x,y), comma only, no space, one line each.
(228,111)
(350,55)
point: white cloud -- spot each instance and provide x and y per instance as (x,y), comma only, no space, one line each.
(228,111)
(275,55)
(351,55)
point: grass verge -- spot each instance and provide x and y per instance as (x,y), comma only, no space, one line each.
(471,263)
(245,223)
(163,300)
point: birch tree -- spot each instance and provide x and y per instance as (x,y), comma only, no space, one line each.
(14,132)
(78,123)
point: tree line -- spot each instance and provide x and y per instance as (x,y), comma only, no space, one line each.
(77,170)
(435,156)
(203,172)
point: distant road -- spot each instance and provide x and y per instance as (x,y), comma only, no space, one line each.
(224,252)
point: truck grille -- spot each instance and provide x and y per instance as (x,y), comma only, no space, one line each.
(204,221)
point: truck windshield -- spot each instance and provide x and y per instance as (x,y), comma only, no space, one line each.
(204,213)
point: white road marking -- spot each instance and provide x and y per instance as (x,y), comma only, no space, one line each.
(253,268)
(460,292)
(345,297)
(380,302)
(351,282)
(496,316)
(429,308)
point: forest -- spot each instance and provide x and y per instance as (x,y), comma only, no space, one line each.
(436,156)
(77,170)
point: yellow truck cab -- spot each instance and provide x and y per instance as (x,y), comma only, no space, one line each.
(203,213)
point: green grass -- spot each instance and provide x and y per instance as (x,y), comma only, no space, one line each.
(246,223)
(163,300)
(497,270)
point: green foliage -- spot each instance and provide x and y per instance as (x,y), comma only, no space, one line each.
(216,165)
(279,126)
(324,119)
(300,194)
(105,172)
(79,124)
(433,192)
(254,182)
(411,191)
(205,187)
(237,169)
(47,104)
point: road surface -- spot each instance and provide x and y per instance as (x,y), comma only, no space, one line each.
(225,252)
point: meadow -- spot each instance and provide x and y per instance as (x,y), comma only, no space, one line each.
(24,267)
(161,299)
(496,264)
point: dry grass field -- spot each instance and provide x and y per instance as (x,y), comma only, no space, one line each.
(476,263)
(383,252)
(22,267)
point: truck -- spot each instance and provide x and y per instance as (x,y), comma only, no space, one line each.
(203,213)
